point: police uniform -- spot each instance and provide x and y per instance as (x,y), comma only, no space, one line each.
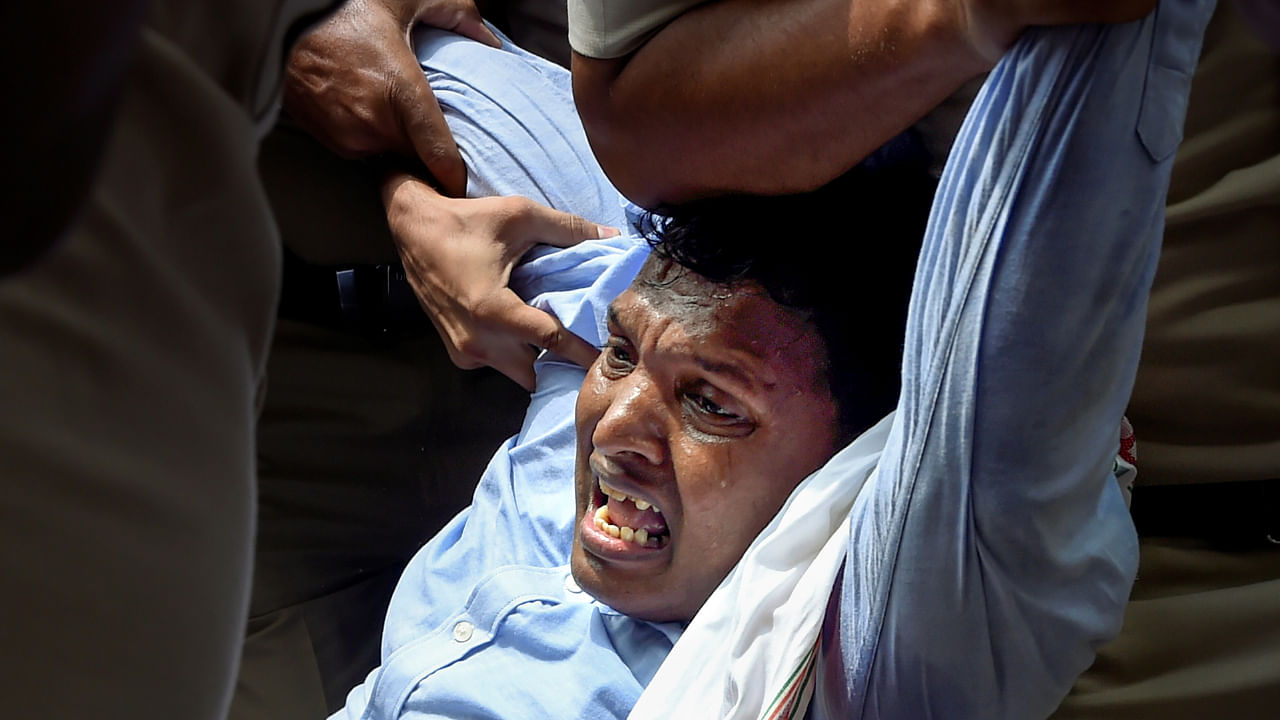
(131,357)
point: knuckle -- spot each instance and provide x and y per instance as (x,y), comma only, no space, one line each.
(362,144)
(403,96)
(514,206)
(510,212)
(470,347)
(550,337)
(461,359)
(579,227)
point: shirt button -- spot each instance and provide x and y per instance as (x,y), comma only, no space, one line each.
(571,585)
(462,631)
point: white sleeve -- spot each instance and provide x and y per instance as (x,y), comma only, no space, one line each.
(612,28)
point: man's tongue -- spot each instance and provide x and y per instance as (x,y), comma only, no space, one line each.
(625,512)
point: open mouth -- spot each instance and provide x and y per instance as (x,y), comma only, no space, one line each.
(635,522)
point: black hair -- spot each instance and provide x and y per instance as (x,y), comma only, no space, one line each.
(843,256)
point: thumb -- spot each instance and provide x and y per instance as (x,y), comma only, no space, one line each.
(516,363)
(430,137)
(542,329)
(460,16)
(563,229)
(472,25)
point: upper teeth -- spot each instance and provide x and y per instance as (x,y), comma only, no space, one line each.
(620,497)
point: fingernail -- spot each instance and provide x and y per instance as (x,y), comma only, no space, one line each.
(604,231)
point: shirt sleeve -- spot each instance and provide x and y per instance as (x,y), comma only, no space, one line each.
(513,118)
(612,28)
(992,552)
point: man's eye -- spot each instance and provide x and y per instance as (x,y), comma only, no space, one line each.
(708,407)
(617,355)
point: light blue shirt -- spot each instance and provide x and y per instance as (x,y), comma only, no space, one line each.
(991,553)
(486,621)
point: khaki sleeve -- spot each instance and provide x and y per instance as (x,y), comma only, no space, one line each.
(612,28)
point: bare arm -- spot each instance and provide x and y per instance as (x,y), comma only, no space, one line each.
(772,97)
(355,84)
(66,68)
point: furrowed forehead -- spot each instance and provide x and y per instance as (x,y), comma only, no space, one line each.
(667,291)
(676,291)
(727,329)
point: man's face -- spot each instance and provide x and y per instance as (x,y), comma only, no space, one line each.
(705,410)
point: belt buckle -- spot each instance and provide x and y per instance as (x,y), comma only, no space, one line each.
(379,301)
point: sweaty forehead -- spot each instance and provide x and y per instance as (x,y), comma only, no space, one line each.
(697,304)
(719,321)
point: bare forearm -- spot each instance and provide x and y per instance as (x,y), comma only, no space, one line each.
(768,97)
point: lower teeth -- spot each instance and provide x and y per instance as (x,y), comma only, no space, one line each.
(631,535)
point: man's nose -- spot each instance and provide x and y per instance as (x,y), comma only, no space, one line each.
(632,423)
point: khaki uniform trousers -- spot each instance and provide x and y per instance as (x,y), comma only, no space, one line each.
(1201,637)
(131,357)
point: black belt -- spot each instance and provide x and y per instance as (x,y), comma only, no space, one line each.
(1240,515)
(375,301)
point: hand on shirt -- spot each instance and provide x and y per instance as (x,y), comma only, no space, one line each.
(355,84)
(458,255)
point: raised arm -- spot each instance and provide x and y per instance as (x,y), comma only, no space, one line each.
(770,97)
(994,553)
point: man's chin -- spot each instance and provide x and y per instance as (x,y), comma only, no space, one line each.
(622,589)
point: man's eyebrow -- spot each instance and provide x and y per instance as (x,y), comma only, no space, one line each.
(713,367)
(726,369)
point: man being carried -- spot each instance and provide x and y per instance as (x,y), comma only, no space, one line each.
(989,552)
